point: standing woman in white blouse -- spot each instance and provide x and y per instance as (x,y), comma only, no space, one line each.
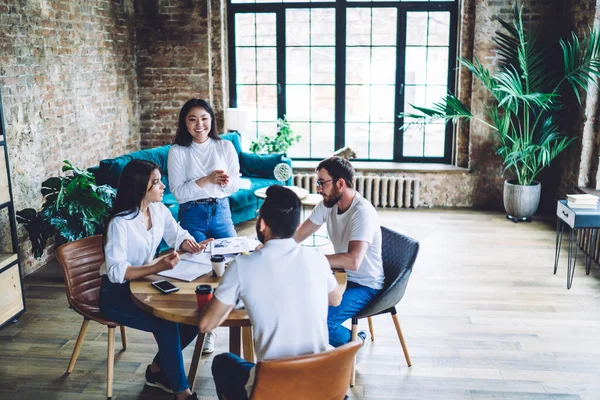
(203,172)
(137,224)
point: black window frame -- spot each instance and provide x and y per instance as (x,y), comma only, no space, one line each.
(340,7)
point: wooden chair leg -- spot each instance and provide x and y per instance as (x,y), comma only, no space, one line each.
(196,360)
(371,329)
(401,337)
(78,345)
(247,344)
(111,361)
(353,337)
(124,337)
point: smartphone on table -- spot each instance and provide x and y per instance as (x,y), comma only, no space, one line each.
(165,286)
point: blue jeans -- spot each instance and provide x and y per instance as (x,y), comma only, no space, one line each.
(355,298)
(231,375)
(207,220)
(116,304)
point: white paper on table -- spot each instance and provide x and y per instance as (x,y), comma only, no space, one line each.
(199,258)
(187,270)
(231,245)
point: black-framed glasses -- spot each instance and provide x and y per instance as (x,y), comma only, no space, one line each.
(321,182)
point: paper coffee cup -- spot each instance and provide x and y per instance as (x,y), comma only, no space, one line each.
(218,265)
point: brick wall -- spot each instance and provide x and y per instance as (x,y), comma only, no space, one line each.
(69,91)
(181,47)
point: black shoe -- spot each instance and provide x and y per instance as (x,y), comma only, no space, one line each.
(193,396)
(158,380)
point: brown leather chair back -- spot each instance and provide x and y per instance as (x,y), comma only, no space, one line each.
(322,376)
(81,261)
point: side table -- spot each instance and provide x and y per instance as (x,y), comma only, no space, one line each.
(576,219)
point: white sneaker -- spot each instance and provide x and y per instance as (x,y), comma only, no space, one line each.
(365,336)
(209,343)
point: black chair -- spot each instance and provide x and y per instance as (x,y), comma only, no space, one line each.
(398,255)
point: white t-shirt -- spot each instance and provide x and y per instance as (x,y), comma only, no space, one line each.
(359,222)
(128,242)
(186,164)
(284,287)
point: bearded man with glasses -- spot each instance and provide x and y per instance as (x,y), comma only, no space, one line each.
(353,227)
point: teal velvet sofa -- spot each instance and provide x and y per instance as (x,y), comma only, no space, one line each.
(257,168)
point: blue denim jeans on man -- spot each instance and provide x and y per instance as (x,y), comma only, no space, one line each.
(116,304)
(355,298)
(207,220)
(231,374)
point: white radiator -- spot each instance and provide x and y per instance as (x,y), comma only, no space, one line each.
(381,191)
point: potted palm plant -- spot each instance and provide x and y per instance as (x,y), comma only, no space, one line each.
(527,93)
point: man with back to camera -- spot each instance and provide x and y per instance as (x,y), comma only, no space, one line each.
(353,227)
(285,288)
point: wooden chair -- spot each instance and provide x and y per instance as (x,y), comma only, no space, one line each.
(398,255)
(322,376)
(81,261)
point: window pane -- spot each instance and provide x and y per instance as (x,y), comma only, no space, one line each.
(357,103)
(322,103)
(267,58)
(416,65)
(383,65)
(384,26)
(439,29)
(265,29)
(358,26)
(437,65)
(322,65)
(434,94)
(246,98)
(416,28)
(382,103)
(322,140)
(322,27)
(244,30)
(297,103)
(382,141)
(267,128)
(358,65)
(267,102)
(245,65)
(297,27)
(414,95)
(297,65)
(413,141)
(302,148)
(357,137)
(434,140)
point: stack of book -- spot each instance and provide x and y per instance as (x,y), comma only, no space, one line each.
(582,200)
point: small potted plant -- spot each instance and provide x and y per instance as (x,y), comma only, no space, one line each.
(527,92)
(283,139)
(74,207)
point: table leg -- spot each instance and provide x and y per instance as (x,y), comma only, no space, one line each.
(592,249)
(572,257)
(559,235)
(195,360)
(248,344)
(235,340)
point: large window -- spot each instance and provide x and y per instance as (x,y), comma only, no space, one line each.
(342,72)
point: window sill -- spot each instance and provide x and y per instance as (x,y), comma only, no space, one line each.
(385,166)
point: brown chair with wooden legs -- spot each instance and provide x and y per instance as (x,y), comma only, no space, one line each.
(321,376)
(398,255)
(81,261)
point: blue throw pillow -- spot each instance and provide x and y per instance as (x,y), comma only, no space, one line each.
(259,165)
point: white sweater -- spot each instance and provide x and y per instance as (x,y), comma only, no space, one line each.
(186,164)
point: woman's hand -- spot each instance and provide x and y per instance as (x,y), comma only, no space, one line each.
(192,246)
(169,261)
(218,177)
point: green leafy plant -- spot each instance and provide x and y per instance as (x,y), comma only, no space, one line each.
(527,92)
(74,207)
(279,143)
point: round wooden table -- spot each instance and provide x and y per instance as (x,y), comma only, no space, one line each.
(181,307)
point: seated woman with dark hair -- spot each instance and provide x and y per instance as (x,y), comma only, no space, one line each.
(137,224)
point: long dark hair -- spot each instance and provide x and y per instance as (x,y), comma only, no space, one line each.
(183,136)
(133,185)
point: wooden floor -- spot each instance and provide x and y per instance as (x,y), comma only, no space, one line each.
(483,316)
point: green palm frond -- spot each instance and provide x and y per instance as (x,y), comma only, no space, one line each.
(449,108)
(581,61)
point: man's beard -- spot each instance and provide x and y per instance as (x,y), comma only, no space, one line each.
(332,199)
(259,235)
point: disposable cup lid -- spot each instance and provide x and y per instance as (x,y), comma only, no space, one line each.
(204,289)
